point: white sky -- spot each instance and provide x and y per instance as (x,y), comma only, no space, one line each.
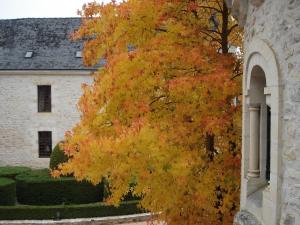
(12,9)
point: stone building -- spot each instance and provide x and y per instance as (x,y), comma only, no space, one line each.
(270,179)
(41,73)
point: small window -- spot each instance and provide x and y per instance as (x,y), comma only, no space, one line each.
(44,98)
(28,54)
(78,54)
(45,144)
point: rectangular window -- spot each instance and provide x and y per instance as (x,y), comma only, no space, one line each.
(44,98)
(45,143)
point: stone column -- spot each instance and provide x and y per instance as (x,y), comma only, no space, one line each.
(253,170)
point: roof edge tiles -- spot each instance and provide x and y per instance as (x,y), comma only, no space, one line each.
(46,72)
(48,38)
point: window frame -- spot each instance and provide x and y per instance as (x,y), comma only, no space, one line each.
(46,97)
(41,142)
(258,196)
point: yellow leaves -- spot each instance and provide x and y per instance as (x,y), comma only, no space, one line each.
(55,173)
(147,114)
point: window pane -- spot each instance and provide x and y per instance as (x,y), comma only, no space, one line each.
(45,143)
(44,98)
(268,166)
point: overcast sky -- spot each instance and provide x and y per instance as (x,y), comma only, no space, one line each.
(12,9)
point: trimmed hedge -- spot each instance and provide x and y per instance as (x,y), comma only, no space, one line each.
(57,157)
(67,211)
(12,171)
(7,191)
(39,188)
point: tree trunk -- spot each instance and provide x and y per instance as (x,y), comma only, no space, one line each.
(210,146)
(224,34)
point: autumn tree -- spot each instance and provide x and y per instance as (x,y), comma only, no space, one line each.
(147,116)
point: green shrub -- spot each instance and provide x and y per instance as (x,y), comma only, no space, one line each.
(12,171)
(7,191)
(130,196)
(37,187)
(23,212)
(57,157)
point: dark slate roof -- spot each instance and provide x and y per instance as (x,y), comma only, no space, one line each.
(48,38)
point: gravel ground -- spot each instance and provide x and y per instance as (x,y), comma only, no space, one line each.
(136,219)
(138,223)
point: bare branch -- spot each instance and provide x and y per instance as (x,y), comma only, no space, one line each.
(211,8)
(231,28)
(157,99)
(220,7)
(215,31)
(212,37)
(160,29)
(236,75)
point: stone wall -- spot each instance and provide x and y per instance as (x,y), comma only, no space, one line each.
(277,22)
(20,121)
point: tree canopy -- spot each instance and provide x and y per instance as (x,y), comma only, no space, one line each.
(145,119)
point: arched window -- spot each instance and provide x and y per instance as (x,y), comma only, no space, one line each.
(261,178)
(260,127)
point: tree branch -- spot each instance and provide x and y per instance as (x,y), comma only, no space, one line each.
(231,28)
(211,8)
(214,31)
(219,5)
(236,75)
(212,37)
(157,99)
(160,29)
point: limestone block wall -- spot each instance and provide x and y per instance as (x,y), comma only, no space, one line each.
(20,120)
(277,22)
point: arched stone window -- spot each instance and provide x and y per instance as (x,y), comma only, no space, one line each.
(257,119)
(260,188)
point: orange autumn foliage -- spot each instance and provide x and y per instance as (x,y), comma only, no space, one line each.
(148,112)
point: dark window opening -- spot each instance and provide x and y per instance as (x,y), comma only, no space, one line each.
(44,98)
(268,163)
(45,143)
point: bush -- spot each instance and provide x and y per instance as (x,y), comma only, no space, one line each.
(130,196)
(57,157)
(67,211)
(39,188)
(12,171)
(7,191)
